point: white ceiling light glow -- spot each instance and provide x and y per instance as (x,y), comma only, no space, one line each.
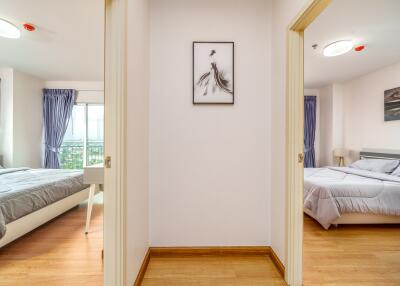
(338,48)
(8,30)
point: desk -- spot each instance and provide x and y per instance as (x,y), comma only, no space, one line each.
(94,176)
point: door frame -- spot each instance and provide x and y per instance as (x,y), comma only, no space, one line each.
(115,141)
(295,139)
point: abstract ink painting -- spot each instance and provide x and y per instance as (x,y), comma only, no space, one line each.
(213,72)
(392,104)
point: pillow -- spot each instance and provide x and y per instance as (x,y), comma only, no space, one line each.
(396,172)
(376,165)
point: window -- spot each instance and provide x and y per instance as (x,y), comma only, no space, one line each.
(84,139)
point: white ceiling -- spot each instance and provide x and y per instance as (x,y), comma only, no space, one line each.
(375,23)
(68,42)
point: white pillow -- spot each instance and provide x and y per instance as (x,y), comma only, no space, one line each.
(376,165)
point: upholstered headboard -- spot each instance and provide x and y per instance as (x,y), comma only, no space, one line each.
(380,154)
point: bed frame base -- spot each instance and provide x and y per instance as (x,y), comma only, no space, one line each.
(29,222)
(358,218)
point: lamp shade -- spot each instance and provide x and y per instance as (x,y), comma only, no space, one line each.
(339,152)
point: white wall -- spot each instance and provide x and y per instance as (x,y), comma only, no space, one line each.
(352,115)
(6,116)
(338,116)
(21,119)
(87,91)
(364,125)
(283,13)
(209,165)
(27,120)
(326,126)
(331,122)
(137,202)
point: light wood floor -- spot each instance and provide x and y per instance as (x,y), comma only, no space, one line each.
(213,271)
(57,253)
(351,255)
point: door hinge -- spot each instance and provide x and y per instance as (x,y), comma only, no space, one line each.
(107,162)
(300,158)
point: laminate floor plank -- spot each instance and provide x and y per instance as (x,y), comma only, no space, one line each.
(244,270)
(361,255)
(57,253)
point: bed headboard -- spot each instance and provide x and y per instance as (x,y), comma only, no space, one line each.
(380,154)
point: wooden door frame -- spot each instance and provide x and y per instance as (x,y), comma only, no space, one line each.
(295,139)
(115,141)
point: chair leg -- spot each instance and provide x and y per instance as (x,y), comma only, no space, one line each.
(89,207)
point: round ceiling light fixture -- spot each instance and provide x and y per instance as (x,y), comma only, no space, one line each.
(8,30)
(338,48)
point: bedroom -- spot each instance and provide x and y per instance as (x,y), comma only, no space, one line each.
(204,177)
(352,155)
(51,141)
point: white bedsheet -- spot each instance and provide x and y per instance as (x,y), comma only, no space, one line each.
(330,192)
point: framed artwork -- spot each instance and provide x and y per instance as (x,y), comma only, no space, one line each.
(213,73)
(392,104)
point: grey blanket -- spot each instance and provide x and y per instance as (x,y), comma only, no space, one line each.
(23,190)
(330,192)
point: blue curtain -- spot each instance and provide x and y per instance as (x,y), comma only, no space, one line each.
(310,111)
(57,110)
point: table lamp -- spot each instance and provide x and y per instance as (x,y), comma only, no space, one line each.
(339,153)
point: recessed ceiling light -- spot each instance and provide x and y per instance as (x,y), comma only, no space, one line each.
(338,48)
(8,30)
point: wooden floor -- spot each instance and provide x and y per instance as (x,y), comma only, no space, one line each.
(213,271)
(57,253)
(351,255)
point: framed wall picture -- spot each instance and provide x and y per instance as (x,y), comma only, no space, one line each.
(213,73)
(392,104)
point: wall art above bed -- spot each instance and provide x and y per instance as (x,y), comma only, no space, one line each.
(392,104)
(213,72)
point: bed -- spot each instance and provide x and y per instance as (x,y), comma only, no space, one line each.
(356,194)
(32,197)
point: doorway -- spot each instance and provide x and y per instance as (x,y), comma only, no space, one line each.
(295,140)
(338,156)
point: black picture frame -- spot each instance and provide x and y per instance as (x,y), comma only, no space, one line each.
(392,104)
(193,72)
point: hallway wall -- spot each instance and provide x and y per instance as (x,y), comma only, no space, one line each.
(137,200)
(210,165)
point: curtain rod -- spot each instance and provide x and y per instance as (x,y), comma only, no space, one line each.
(77,89)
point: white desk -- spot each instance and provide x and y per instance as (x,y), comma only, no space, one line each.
(93,175)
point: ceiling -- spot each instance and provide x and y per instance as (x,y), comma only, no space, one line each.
(68,42)
(374,23)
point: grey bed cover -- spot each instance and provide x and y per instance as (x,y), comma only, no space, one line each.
(332,191)
(24,190)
